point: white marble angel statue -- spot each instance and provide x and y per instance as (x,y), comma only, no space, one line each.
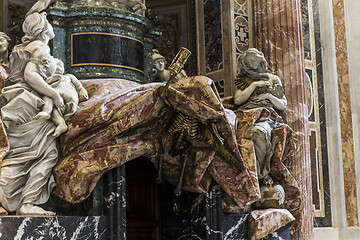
(26,178)
(41,70)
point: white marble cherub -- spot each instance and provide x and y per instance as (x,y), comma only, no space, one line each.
(69,88)
(40,71)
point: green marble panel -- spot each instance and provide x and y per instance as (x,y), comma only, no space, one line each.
(100,17)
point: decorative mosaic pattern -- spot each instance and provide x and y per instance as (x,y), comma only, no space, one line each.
(316,116)
(241,26)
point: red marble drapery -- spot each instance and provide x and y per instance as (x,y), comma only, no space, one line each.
(278,34)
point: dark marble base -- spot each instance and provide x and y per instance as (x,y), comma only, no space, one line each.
(61,227)
(282,233)
(106,204)
(235,226)
(200,217)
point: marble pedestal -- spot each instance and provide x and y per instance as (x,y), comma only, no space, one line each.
(101,216)
(201,217)
(61,227)
(102,40)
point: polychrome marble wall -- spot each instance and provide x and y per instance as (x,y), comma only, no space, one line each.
(339,30)
(213,36)
(242,26)
(316,113)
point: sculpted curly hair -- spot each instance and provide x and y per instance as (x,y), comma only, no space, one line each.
(34,27)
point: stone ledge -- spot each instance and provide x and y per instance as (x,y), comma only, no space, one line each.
(57,227)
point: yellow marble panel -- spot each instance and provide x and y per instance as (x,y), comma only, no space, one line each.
(345,114)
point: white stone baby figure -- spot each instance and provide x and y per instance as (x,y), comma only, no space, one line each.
(37,37)
(69,88)
(40,72)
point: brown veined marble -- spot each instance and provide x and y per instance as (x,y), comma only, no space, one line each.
(122,121)
(347,140)
(264,222)
(278,34)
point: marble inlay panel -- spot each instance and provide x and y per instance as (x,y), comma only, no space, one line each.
(316,117)
(213,35)
(310,94)
(306,28)
(241,26)
(324,218)
(314,173)
(345,114)
(53,228)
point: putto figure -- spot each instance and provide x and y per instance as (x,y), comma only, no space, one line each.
(4,49)
(70,90)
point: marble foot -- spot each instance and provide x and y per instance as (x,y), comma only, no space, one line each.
(29,209)
(60,129)
(3,212)
(42,115)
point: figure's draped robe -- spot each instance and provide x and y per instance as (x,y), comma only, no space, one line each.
(26,170)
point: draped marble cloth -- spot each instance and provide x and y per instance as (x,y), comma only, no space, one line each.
(123,120)
(29,151)
(26,170)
